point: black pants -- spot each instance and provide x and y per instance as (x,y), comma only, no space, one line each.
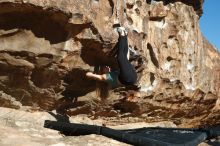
(128,75)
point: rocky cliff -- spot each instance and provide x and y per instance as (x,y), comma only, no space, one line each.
(47,46)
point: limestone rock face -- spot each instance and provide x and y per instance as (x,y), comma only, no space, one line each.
(47,46)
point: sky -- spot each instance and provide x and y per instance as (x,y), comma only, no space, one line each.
(210,22)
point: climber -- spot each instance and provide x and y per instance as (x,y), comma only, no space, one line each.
(126,73)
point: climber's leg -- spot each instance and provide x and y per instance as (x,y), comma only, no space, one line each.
(128,75)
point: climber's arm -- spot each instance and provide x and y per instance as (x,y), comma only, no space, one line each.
(91,75)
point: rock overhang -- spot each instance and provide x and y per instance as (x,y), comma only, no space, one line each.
(73,41)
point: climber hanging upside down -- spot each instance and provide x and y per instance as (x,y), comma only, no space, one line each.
(126,73)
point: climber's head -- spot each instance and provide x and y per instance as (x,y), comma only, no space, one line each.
(102,88)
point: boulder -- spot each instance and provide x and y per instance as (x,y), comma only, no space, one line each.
(47,46)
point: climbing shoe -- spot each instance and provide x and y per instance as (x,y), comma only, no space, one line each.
(122,31)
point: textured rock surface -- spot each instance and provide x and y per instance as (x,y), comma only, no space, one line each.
(22,128)
(46,47)
(25,128)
